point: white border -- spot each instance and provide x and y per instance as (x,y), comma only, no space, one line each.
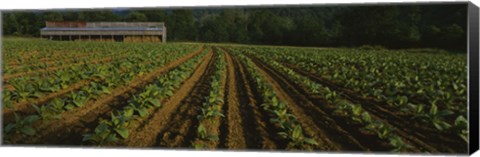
(84,4)
(65,4)
(81,152)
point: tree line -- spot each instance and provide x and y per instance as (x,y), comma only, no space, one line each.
(393,26)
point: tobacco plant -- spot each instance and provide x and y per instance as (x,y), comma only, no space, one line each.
(291,129)
(110,130)
(22,125)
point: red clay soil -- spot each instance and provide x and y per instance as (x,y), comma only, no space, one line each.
(235,131)
(147,135)
(51,69)
(72,123)
(431,140)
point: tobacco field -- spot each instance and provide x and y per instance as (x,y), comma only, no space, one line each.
(236,97)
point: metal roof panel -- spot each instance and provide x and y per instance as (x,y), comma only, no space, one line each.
(102,29)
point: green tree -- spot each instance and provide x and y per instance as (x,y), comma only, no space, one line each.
(9,23)
(70,16)
(181,25)
(136,16)
(212,29)
(154,15)
(393,26)
(23,24)
(53,16)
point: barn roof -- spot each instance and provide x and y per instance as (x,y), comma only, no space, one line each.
(103,29)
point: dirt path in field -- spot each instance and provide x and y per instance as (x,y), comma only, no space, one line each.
(78,121)
(118,104)
(217,125)
(148,134)
(174,124)
(138,124)
(6,77)
(24,107)
(431,140)
(235,132)
(182,126)
(260,133)
(332,133)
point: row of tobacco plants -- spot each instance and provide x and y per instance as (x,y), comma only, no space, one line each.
(343,107)
(429,88)
(211,109)
(291,130)
(141,105)
(103,79)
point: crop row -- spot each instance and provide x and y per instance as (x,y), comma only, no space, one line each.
(30,89)
(113,77)
(33,51)
(28,86)
(211,108)
(59,63)
(395,79)
(141,105)
(25,88)
(291,130)
(399,74)
(343,107)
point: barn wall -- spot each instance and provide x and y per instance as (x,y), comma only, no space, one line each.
(138,29)
(101,32)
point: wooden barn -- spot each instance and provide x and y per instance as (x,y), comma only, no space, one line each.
(105,31)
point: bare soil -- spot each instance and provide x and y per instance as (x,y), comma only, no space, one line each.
(182,125)
(235,132)
(147,135)
(313,119)
(84,118)
(260,132)
(245,125)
